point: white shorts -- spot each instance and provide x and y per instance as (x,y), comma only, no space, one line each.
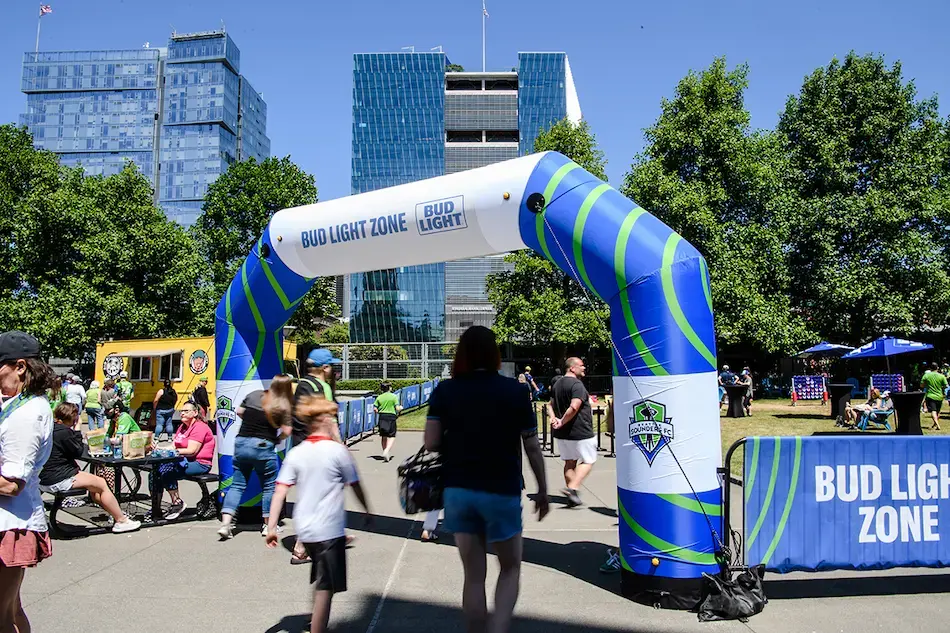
(59,486)
(584,451)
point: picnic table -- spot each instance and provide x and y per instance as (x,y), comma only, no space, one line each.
(144,464)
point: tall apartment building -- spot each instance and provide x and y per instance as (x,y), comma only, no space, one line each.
(182,113)
(413,120)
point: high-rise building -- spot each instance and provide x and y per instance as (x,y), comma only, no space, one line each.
(413,120)
(180,113)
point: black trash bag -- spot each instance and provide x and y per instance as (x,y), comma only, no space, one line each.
(420,482)
(736,599)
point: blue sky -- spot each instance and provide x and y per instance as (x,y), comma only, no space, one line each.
(299,54)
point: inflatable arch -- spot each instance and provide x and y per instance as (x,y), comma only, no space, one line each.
(657,287)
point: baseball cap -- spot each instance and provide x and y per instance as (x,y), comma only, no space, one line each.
(527,367)
(321,357)
(203,379)
(123,374)
(15,345)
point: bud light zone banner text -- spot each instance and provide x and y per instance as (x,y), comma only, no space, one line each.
(863,502)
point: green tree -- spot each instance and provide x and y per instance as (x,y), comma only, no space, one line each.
(719,184)
(238,206)
(869,161)
(537,303)
(81,260)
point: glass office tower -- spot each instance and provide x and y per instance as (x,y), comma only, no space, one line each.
(181,114)
(412,120)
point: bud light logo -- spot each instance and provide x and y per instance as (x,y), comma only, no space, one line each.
(438,216)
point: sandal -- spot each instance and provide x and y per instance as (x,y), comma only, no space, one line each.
(297,560)
(429,537)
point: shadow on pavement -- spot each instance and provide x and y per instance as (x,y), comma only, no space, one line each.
(399,616)
(789,589)
(804,416)
(579,559)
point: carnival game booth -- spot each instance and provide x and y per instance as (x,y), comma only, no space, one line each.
(657,287)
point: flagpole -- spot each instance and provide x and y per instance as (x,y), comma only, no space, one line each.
(484,13)
(39,21)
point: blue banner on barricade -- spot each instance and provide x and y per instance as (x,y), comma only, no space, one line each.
(822,503)
(427,388)
(409,397)
(369,416)
(355,416)
(341,418)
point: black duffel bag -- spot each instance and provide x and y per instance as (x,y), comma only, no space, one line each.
(420,482)
(732,599)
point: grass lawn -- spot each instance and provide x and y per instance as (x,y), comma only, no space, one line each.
(769,417)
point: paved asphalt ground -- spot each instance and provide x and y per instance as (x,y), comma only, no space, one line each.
(180,578)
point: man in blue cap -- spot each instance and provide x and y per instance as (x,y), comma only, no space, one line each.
(320,379)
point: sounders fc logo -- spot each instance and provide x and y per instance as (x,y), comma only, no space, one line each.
(650,429)
(225,416)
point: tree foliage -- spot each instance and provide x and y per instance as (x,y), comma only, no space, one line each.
(237,208)
(91,257)
(536,303)
(720,185)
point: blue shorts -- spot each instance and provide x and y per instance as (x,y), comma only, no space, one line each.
(498,517)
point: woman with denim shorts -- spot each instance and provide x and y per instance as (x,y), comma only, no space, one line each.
(265,420)
(478,420)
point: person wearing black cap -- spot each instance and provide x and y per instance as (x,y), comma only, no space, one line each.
(319,381)
(26,430)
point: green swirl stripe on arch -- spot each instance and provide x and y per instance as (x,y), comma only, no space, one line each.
(750,477)
(691,504)
(669,292)
(231,331)
(226,483)
(620,264)
(578,237)
(259,351)
(549,190)
(776,458)
(788,502)
(706,289)
(253,501)
(674,551)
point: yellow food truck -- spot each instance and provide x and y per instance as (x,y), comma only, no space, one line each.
(182,360)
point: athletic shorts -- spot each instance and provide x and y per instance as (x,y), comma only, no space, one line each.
(584,451)
(933,405)
(387,425)
(59,486)
(496,516)
(328,572)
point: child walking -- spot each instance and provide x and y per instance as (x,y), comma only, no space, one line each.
(321,469)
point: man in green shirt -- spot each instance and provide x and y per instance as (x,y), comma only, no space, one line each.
(935,385)
(125,389)
(387,408)
(122,422)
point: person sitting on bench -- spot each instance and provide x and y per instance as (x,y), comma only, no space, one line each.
(195,443)
(61,472)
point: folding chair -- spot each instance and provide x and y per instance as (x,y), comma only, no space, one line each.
(879,417)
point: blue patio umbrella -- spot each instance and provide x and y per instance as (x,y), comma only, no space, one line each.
(824,349)
(887,346)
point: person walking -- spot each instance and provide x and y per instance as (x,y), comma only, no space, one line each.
(482,471)
(320,380)
(572,422)
(265,420)
(62,473)
(26,439)
(75,394)
(387,408)
(108,395)
(164,407)
(934,384)
(200,396)
(745,379)
(726,378)
(125,390)
(95,417)
(320,469)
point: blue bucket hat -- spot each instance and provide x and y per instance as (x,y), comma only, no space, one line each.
(320,357)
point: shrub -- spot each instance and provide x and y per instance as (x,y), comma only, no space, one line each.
(372,384)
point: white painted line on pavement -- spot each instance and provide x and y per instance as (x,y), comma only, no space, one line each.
(389,583)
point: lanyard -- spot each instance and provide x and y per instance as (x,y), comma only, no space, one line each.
(317,438)
(16,404)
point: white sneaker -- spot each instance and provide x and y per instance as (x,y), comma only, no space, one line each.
(280,529)
(175,510)
(226,532)
(128,525)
